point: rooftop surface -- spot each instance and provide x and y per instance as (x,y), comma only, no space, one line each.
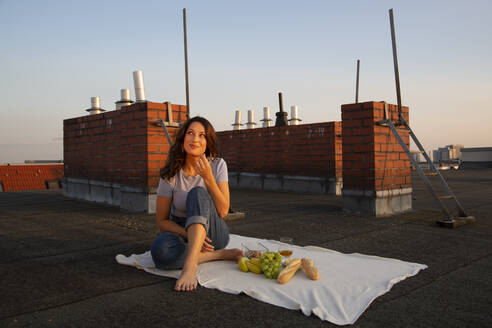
(58,263)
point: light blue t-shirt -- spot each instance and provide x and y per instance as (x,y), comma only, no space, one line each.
(178,186)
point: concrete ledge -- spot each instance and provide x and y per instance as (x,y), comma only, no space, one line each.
(76,188)
(273,182)
(136,199)
(377,203)
(378,193)
(138,202)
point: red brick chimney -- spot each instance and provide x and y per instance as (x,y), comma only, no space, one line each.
(376,170)
(115,157)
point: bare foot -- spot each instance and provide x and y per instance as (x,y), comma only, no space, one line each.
(230,254)
(187,281)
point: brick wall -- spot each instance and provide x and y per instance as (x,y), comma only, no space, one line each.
(313,150)
(30,177)
(121,146)
(372,157)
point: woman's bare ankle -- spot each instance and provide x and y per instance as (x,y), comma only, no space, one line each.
(187,281)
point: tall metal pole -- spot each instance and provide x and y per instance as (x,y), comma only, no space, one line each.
(395,61)
(280,102)
(186,63)
(357,83)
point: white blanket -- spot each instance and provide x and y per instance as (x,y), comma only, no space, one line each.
(347,283)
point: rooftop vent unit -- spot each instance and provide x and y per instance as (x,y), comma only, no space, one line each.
(95,106)
(267,121)
(139,86)
(251,120)
(125,99)
(237,122)
(294,118)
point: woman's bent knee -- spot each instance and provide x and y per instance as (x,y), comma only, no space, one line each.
(166,250)
(198,192)
(222,242)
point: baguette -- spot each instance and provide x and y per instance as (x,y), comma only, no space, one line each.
(310,269)
(289,271)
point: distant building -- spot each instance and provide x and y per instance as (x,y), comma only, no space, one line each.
(449,153)
(435,156)
(479,157)
(416,155)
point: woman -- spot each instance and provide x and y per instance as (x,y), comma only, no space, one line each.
(192,199)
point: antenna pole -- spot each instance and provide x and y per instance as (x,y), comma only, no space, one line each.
(357,83)
(186,63)
(395,62)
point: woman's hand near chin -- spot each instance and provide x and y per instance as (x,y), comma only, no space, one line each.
(203,168)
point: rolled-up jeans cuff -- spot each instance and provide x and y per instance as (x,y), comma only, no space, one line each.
(197,219)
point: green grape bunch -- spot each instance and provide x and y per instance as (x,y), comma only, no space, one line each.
(271,263)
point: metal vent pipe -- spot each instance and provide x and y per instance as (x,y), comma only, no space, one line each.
(294,120)
(95,106)
(139,86)
(267,121)
(125,99)
(237,122)
(95,102)
(251,120)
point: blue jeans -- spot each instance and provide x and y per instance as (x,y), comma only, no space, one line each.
(169,250)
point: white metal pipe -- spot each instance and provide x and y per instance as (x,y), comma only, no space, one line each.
(95,106)
(266,117)
(293,111)
(251,118)
(125,99)
(294,119)
(139,86)
(95,103)
(125,94)
(237,122)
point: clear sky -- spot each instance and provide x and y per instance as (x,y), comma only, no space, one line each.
(56,54)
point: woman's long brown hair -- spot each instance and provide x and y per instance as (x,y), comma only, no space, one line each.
(177,156)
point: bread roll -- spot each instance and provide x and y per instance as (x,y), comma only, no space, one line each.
(310,269)
(289,271)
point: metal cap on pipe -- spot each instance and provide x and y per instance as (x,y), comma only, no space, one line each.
(125,94)
(95,106)
(125,99)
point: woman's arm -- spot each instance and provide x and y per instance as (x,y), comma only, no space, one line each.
(162,217)
(218,191)
(220,195)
